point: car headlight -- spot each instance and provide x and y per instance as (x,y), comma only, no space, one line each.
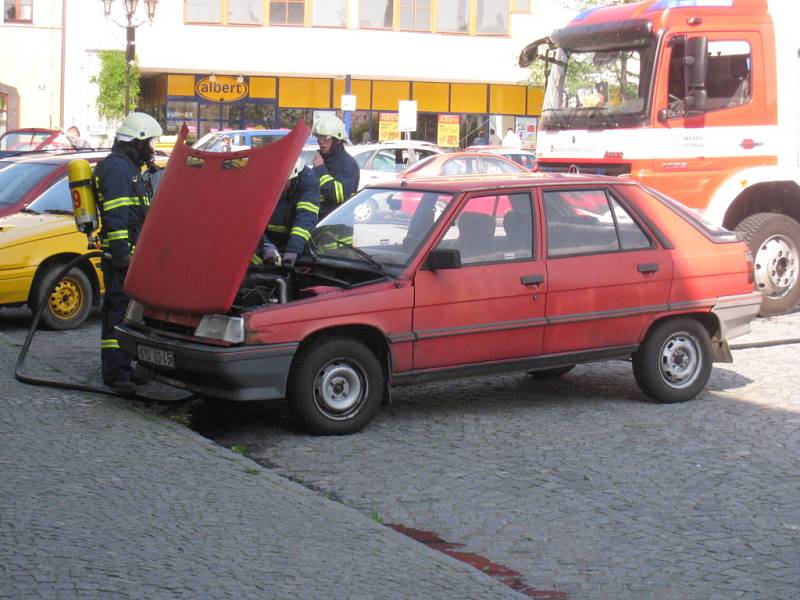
(135,313)
(221,327)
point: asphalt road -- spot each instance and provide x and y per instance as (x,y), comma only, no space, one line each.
(569,488)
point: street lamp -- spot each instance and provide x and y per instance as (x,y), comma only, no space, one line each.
(130,36)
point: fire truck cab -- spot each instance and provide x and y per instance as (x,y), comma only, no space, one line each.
(695,98)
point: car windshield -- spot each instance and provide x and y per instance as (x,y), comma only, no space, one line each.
(18,179)
(598,89)
(380,228)
(23,141)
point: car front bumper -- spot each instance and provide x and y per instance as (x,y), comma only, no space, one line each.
(241,373)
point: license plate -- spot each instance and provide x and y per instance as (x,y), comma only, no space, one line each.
(156,356)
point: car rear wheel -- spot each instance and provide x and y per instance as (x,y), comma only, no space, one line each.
(335,386)
(673,363)
(774,240)
(68,300)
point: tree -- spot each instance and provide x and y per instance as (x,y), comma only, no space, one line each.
(111,83)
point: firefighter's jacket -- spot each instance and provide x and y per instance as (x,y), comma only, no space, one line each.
(295,216)
(338,178)
(122,202)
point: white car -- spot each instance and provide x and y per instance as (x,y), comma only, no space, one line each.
(382,162)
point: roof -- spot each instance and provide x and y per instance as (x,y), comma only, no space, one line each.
(472,183)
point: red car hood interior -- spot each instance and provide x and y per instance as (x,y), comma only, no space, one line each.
(205,222)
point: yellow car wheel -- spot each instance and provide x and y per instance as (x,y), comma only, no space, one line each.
(68,300)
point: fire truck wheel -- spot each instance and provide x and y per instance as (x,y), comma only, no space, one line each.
(335,386)
(68,300)
(774,240)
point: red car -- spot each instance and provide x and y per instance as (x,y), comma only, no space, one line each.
(18,141)
(568,269)
(455,164)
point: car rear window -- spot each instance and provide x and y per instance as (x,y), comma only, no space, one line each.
(18,179)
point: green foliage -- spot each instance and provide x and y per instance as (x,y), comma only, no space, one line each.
(111,83)
(239,448)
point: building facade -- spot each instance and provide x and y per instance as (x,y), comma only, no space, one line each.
(217,64)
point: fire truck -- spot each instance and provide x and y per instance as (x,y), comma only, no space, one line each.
(698,99)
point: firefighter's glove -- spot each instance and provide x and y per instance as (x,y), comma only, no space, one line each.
(289,258)
(121,262)
(271,255)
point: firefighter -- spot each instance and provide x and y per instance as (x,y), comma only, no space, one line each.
(338,172)
(123,201)
(294,217)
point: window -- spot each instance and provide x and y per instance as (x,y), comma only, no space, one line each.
(492,16)
(244,11)
(453,16)
(286,12)
(415,15)
(522,6)
(203,11)
(376,14)
(495,165)
(493,228)
(328,13)
(18,11)
(728,79)
(589,222)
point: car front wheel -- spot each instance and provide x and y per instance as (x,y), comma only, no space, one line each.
(335,386)
(673,363)
(68,300)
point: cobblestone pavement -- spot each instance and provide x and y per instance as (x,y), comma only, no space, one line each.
(102,497)
(576,484)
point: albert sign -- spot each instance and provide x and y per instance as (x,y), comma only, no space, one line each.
(222,89)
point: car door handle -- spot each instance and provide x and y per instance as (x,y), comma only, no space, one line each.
(648,267)
(532,279)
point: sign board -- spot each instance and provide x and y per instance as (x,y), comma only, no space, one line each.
(348,102)
(387,127)
(447,132)
(408,115)
(221,89)
(526,128)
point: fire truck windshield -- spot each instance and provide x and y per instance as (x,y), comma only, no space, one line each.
(598,89)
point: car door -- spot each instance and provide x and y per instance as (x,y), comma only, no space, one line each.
(606,274)
(492,307)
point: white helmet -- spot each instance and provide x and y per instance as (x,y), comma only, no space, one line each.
(298,166)
(330,125)
(138,126)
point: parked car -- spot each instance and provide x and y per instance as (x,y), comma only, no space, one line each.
(35,244)
(241,139)
(455,164)
(383,162)
(539,284)
(18,141)
(40,238)
(526,158)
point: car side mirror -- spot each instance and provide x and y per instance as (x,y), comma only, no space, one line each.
(444,258)
(696,72)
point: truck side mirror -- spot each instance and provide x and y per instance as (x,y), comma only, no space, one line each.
(696,70)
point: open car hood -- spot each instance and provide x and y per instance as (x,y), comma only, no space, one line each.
(205,222)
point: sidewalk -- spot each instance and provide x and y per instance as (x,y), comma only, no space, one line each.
(102,498)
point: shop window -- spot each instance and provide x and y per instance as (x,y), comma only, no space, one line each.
(18,11)
(252,115)
(290,116)
(203,11)
(376,14)
(473,130)
(245,12)
(492,16)
(330,13)
(363,126)
(522,6)
(287,12)
(415,15)
(453,16)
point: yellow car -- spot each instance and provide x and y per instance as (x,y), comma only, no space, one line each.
(38,241)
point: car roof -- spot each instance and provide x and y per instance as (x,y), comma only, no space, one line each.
(393,144)
(479,182)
